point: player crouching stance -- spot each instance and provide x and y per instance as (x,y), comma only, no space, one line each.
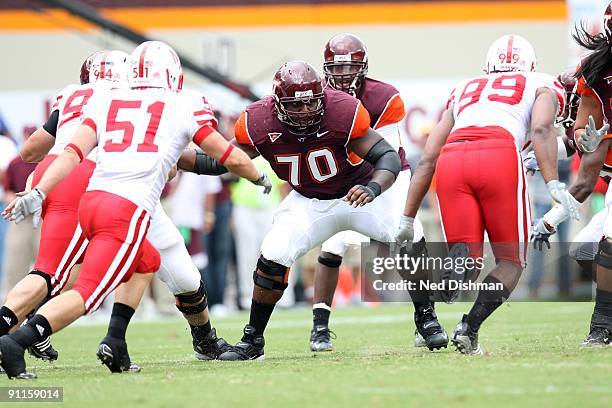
(474,151)
(306,131)
(141,133)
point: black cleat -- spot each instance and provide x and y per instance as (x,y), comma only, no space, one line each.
(600,333)
(43,350)
(113,353)
(251,347)
(465,339)
(429,332)
(320,339)
(12,359)
(210,347)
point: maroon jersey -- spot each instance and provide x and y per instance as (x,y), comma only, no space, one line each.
(602,91)
(382,101)
(316,165)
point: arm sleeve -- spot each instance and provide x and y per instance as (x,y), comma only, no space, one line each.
(50,125)
(361,123)
(241,134)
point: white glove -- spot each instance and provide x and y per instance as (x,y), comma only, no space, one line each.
(405,232)
(541,233)
(592,136)
(560,194)
(530,162)
(264,181)
(29,204)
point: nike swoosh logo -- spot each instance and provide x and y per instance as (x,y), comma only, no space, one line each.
(322,133)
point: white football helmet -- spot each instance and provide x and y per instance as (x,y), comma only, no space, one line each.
(155,64)
(511,53)
(109,66)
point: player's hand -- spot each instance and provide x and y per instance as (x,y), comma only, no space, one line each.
(530,162)
(29,204)
(405,232)
(540,233)
(265,182)
(592,136)
(359,195)
(560,194)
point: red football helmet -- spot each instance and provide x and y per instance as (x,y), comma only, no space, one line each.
(346,63)
(86,66)
(572,99)
(298,91)
(608,22)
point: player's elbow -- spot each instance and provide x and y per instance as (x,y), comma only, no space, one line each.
(542,132)
(29,155)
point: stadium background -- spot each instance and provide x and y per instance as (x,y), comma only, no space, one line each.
(422,47)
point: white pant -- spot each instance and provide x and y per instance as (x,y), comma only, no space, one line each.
(395,199)
(586,243)
(301,224)
(177,270)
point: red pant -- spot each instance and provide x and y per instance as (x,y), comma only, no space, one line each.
(116,229)
(481,186)
(61,242)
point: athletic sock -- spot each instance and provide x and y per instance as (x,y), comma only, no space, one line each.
(36,329)
(200,332)
(8,320)
(260,315)
(320,314)
(119,321)
(603,303)
(486,303)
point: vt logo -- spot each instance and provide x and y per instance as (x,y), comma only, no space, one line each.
(274,135)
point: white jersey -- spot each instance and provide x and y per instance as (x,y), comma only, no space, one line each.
(70,103)
(141,134)
(502,100)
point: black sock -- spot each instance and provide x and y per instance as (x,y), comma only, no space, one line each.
(36,329)
(119,321)
(260,315)
(603,303)
(8,320)
(200,332)
(418,306)
(320,316)
(486,303)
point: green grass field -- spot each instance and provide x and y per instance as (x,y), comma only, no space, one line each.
(533,358)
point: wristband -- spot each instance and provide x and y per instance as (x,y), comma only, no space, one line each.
(556,216)
(375,187)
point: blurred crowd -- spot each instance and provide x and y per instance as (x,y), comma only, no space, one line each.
(223,221)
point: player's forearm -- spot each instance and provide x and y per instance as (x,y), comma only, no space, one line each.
(419,185)
(544,139)
(187,160)
(383,178)
(58,170)
(36,146)
(241,165)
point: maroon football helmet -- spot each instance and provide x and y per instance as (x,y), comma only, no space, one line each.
(86,66)
(346,63)
(298,91)
(572,99)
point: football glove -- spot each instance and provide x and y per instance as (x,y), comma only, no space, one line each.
(541,233)
(264,181)
(530,163)
(29,204)
(560,194)
(592,136)
(405,232)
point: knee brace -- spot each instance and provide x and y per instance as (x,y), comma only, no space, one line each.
(273,269)
(330,260)
(192,302)
(604,253)
(47,279)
